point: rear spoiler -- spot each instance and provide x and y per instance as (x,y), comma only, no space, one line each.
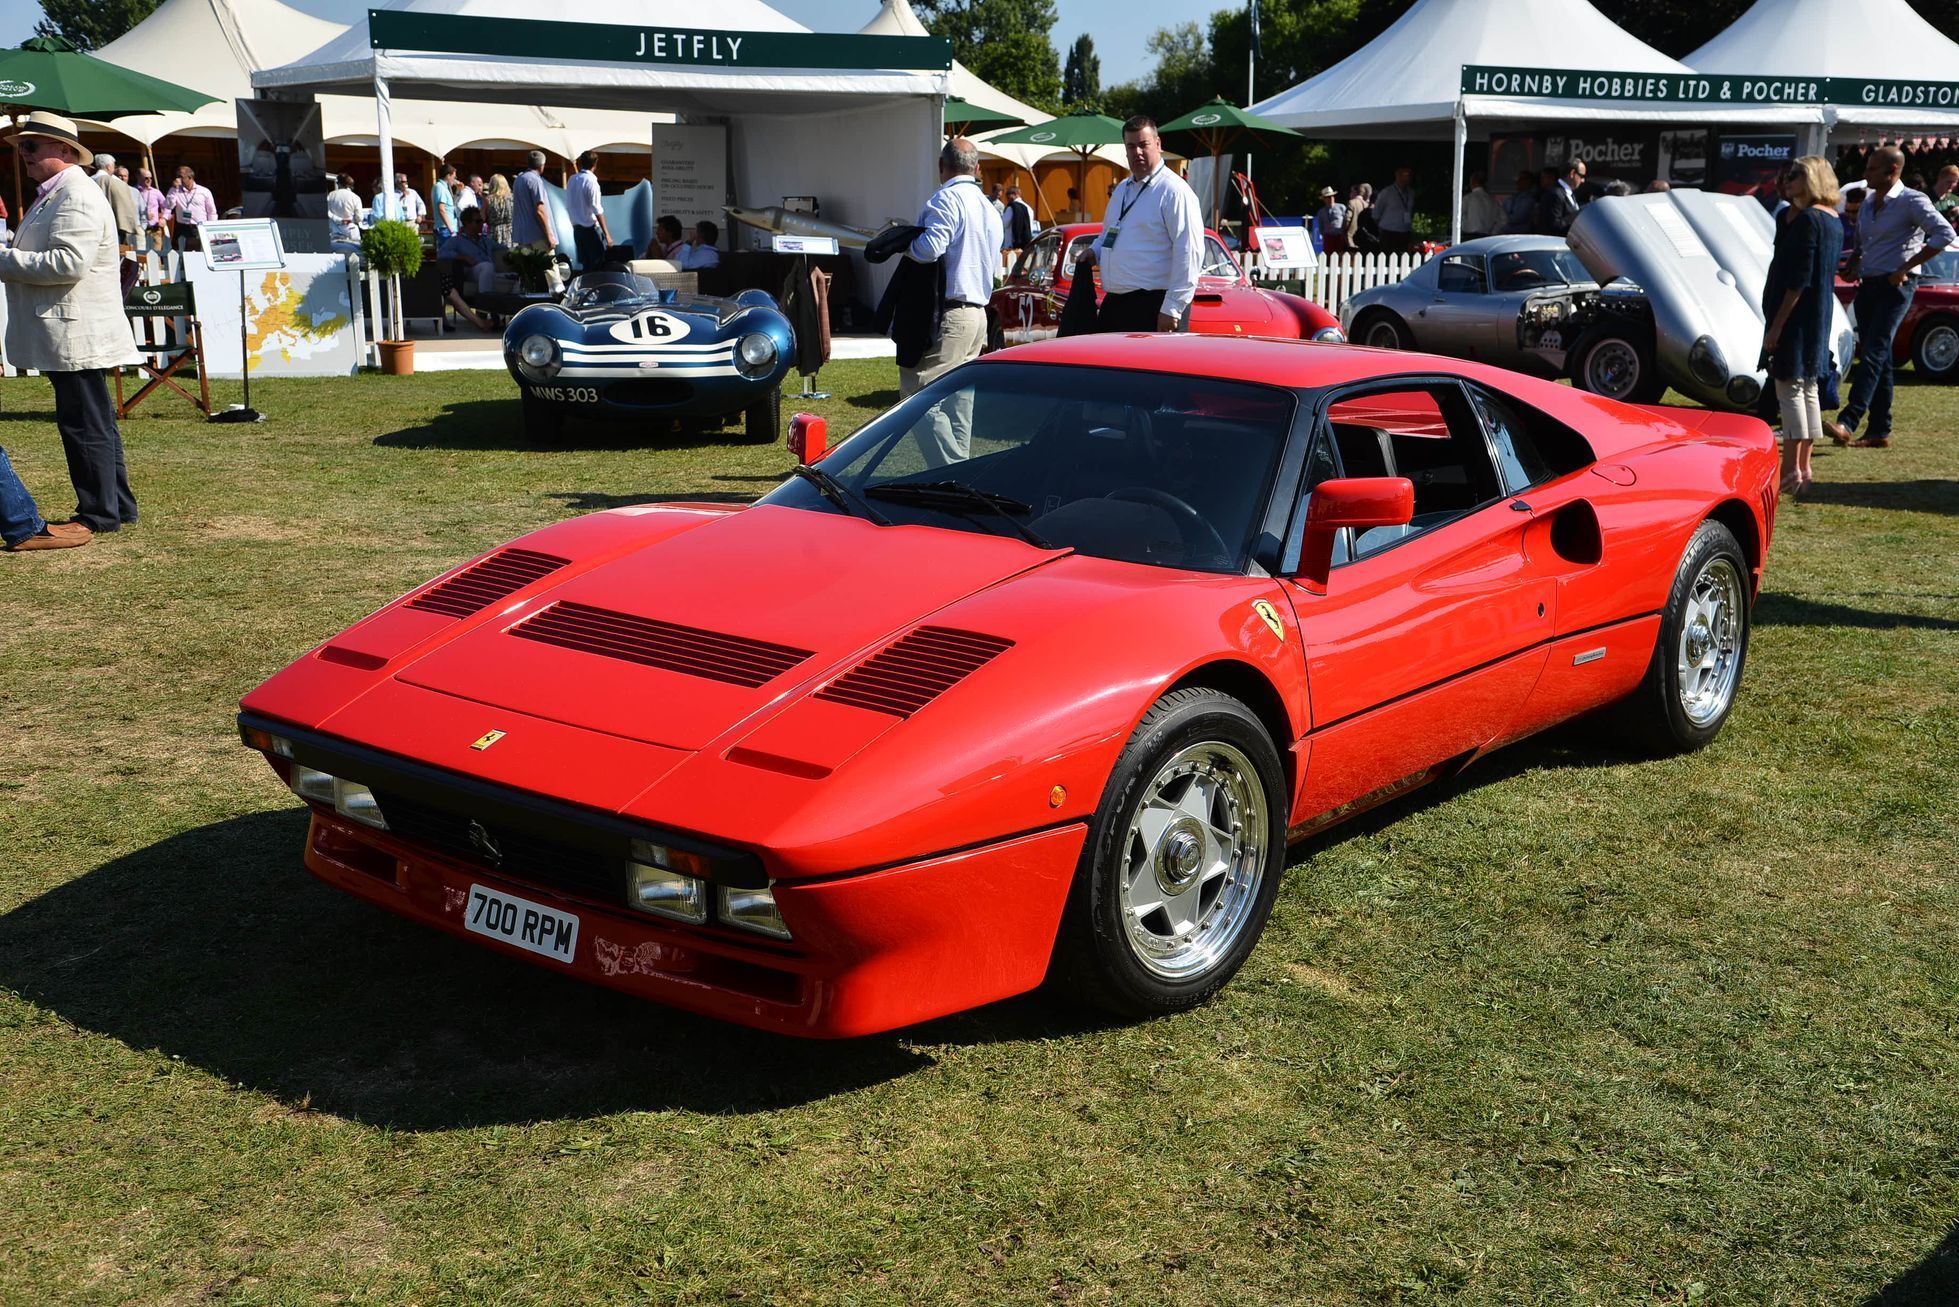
(1711,422)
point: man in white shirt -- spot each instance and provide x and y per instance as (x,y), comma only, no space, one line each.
(700,250)
(408,202)
(1152,241)
(1481,214)
(589,235)
(344,215)
(961,233)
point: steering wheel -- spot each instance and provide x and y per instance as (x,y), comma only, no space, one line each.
(1201,540)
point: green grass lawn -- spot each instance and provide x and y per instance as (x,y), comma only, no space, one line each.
(1575,1028)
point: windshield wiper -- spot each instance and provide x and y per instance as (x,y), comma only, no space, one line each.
(837,493)
(957,494)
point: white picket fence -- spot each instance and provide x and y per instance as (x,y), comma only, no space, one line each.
(1338,276)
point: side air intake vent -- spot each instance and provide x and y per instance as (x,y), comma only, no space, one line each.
(906,676)
(475,588)
(684,649)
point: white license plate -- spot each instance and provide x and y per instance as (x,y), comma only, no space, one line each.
(528,925)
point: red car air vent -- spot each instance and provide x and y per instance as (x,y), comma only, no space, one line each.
(904,677)
(684,649)
(475,588)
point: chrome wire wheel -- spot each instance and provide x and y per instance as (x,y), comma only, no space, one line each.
(1192,860)
(1382,333)
(1708,659)
(1612,368)
(1938,348)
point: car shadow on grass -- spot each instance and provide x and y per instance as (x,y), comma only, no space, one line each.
(1933,1282)
(1929,495)
(875,400)
(216,946)
(488,424)
(1774,609)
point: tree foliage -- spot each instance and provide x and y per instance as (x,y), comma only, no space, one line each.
(91,24)
(1006,42)
(1081,77)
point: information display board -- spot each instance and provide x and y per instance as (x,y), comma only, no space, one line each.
(298,321)
(690,172)
(782,243)
(242,245)
(1285,249)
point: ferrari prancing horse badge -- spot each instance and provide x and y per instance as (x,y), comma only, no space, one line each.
(1270,616)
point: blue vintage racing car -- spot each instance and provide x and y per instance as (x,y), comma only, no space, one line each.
(620,348)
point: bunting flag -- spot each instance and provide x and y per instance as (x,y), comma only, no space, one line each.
(1257,52)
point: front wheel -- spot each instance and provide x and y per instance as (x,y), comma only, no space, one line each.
(1936,351)
(1182,860)
(1382,330)
(1618,367)
(761,421)
(1690,685)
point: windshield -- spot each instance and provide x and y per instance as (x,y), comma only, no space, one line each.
(608,288)
(1943,266)
(1530,269)
(1172,471)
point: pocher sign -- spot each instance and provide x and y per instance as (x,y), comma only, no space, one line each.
(1703,88)
(524,38)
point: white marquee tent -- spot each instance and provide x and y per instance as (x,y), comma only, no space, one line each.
(1840,39)
(216,46)
(863,139)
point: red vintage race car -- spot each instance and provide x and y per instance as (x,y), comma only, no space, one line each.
(1035,676)
(1027,306)
(1929,334)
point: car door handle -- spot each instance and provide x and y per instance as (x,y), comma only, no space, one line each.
(1519,506)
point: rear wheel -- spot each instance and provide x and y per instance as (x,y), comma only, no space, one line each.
(1690,685)
(1383,330)
(762,421)
(1182,860)
(1617,366)
(1936,351)
(544,422)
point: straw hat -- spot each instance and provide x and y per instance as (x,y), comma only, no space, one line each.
(1326,191)
(51,125)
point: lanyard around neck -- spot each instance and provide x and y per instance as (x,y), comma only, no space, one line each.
(1137,193)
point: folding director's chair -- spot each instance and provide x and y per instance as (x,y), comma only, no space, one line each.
(168,356)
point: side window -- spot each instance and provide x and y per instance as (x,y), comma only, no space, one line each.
(1217,263)
(1320,467)
(1530,449)
(1461,274)
(1077,251)
(1432,437)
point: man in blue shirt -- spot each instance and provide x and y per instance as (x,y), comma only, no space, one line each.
(961,232)
(1897,231)
(445,202)
(530,215)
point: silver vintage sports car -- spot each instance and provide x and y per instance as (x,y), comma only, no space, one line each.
(1651,291)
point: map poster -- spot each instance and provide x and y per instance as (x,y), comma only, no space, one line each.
(299,319)
(690,172)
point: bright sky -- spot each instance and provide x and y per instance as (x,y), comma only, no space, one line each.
(1119,26)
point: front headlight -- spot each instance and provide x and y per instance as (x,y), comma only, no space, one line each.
(350,799)
(1707,363)
(668,893)
(1744,391)
(1330,336)
(538,352)
(755,355)
(753,909)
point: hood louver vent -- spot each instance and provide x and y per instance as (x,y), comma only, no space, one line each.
(497,577)
(906,676)
(684,649)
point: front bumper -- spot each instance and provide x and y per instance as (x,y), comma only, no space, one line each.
(871,952)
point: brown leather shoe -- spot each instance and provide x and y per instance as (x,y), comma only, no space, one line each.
(1882,442)
(55,536)
(1839,434)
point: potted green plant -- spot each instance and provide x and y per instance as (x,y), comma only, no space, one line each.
(393,250)
(530,266)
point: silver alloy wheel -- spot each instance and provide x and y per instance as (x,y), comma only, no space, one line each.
(1938,348)
(1709,656)
(1192,860)
(1382,334)
(1612,368)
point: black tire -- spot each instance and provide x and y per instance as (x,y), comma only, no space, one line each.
(544,422)
(1618,365)
(761,422)
(1658,717)
(1381,329)
(1935,350)
(1100,958)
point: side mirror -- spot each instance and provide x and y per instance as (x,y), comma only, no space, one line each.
(1355,502)
(808,437)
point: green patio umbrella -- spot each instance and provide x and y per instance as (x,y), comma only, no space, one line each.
(962,117)
(1081,132)
(47,72)
(1212,129)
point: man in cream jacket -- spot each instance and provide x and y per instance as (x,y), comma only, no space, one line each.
(64,313)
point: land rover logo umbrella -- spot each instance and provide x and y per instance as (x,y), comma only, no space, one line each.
(1081,133)
(962,117)
(1213,129)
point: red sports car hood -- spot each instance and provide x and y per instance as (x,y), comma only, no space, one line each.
(676,642)
(1220,304)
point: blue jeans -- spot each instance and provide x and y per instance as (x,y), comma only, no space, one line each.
(1880,309)
(19,519)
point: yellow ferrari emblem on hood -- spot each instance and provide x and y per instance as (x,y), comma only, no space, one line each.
(487,739)
(1270,616)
